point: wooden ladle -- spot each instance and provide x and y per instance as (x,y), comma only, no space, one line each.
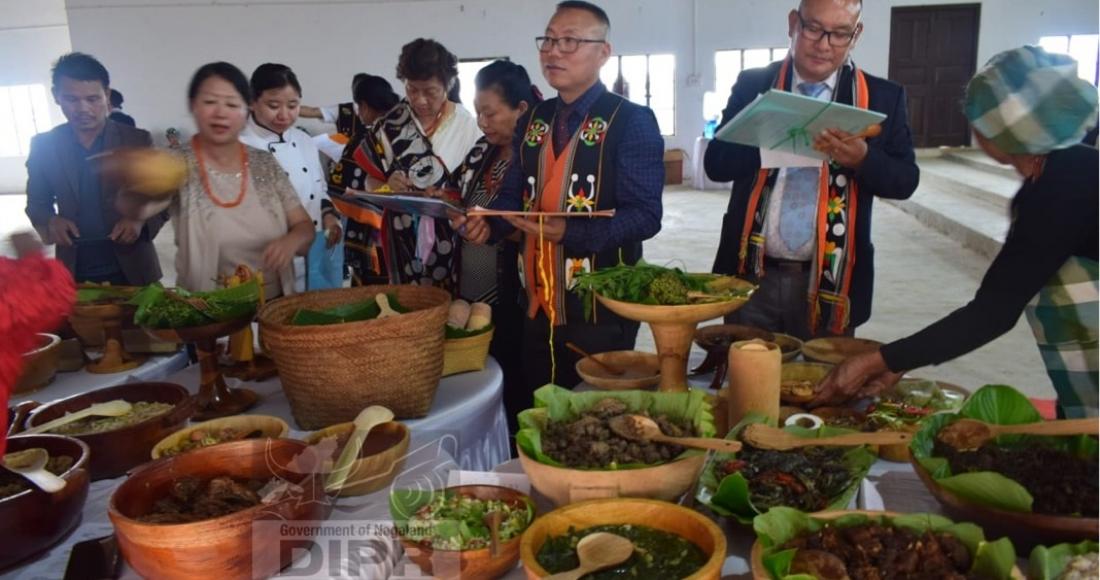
(596,552)
(614,370)
(763,436)
(366,420)
(116,408)
(31,464)
(968,434)
(493,520)
(642,428)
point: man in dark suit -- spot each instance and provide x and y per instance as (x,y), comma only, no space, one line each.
(69,202)
(804,234)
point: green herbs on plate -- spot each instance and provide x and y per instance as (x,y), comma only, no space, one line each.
(160,307)
(451,520)
(645,283)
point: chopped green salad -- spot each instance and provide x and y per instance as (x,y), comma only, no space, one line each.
(451,521)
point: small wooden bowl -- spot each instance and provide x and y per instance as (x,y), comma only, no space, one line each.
(40,364)
(479,564)
(561,485)
(756,557)
(664,516)
(115,452)
(1026,530)
(802,371)
(721,336)
(234,546)
(271,427)
(380,460)
(643,370)
(31,521)
(789,346)
(834,350)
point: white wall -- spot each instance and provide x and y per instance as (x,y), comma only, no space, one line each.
(32,35)
(153,46)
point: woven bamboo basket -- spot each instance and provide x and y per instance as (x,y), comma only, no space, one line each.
(330,373)
(461,355)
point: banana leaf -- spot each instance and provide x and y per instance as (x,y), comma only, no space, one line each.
(92,293)
(353,312)
(553,403)
(730,496)
(993,560)
(453,333)
(1049,563)
(1000,405)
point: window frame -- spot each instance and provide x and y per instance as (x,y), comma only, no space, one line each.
(618,58)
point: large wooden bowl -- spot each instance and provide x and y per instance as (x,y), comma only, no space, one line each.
(40,364)
(33,520)
(380,460)
(115,452)
(242,545)
(472,564)
(1026,530)
(756,557)
(269,427)
(664,516)
(560,485)
(802,371)
(673,329)
(643,370)
(834,350)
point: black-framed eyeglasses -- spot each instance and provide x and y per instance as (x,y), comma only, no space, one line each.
(566,44)
(814,32)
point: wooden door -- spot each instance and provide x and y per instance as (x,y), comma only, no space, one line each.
(933,53)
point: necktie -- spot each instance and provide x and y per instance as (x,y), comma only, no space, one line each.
(561,130)
(796,219)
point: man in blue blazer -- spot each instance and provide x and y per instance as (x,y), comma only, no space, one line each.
(804,234)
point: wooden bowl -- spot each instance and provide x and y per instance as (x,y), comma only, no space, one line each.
(643,370)
(1026,530)
(478,564)
(115,452)
(234,546)
(756,557)
(561,485)
(680,314)
(802,371)
(790,346)
(664,516)
(31,521)
(40,364)
(380,460)
(834,350)
(721,336)
(271,428)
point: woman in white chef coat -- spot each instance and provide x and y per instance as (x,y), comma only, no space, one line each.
(276,97)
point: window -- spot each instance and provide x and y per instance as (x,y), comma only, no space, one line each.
(646,79)
(24,112)
(729,63)
(1084,48)
(467,72)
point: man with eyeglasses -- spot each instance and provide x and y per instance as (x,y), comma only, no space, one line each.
(586,150)
(804,234)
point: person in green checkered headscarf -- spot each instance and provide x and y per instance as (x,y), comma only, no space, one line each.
(1028,109)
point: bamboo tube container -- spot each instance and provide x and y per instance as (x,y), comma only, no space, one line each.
(754,376)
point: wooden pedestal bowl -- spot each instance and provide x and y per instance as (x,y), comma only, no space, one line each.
(241,545)
(32,520)
(664,516)
(115,452)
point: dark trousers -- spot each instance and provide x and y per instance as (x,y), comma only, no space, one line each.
(780,303)
(612,333)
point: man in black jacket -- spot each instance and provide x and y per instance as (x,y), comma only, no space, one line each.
(804,234)
(70,202)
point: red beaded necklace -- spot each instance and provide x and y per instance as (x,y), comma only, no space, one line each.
(206,181)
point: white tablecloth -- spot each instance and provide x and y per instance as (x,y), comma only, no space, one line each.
(67,384)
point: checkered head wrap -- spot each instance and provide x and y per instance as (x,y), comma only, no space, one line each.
(1027,100)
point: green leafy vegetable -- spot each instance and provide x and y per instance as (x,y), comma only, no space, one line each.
(451,521)
(780,525)
(645,283)
(1000,405)
(731,496)
(1049,563)
(158,307)
(553,403)
(455,333)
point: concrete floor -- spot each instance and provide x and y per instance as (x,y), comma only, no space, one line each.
(921,276)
